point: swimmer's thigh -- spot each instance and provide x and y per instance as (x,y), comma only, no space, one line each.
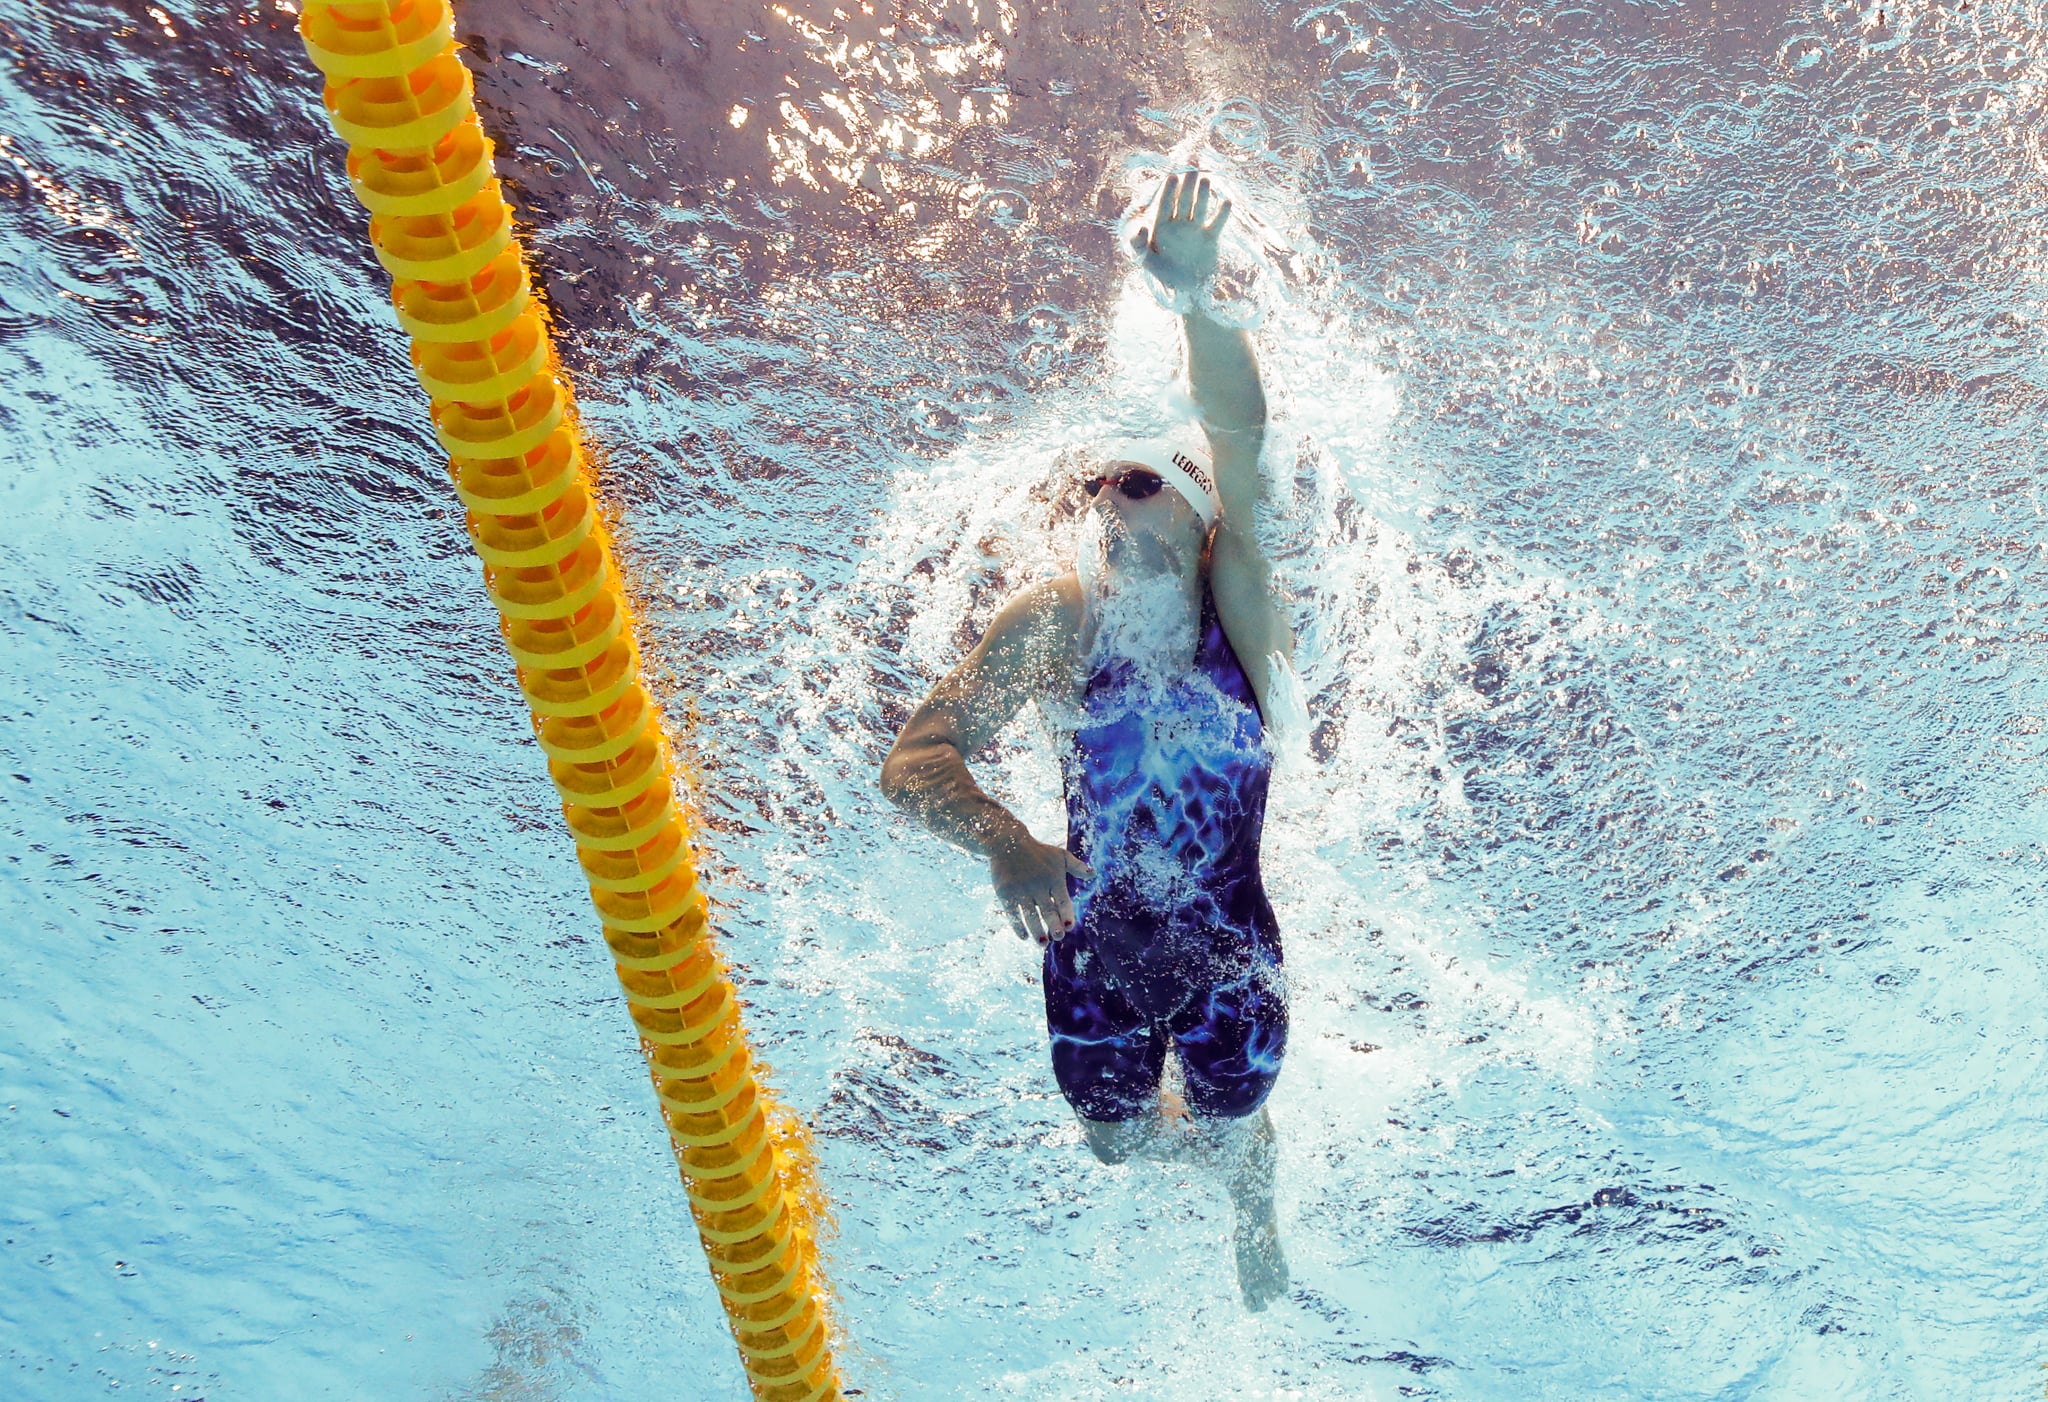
(1106,1056)
(1231,1041)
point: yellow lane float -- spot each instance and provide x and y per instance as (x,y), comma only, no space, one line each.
(421,164)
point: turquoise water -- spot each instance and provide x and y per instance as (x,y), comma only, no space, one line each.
(1661,389)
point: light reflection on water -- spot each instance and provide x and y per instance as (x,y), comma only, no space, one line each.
(1661,391)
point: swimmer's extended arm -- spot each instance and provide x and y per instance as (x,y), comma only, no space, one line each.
(1027,649)
(1223,377)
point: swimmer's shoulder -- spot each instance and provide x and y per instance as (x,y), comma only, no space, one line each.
(1061,597)
(1049,615)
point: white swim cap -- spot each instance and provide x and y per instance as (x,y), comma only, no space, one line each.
(1179,463)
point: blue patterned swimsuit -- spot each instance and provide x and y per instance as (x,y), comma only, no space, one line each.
(1166,796)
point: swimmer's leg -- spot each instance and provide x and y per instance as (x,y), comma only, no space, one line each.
(1245,1154)
(1230,1045)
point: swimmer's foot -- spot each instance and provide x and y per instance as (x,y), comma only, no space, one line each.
(1261,1261)
(1173,1110)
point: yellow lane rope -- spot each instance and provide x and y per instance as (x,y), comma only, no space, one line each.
(421,164)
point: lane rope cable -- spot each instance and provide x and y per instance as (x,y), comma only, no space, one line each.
(421,164)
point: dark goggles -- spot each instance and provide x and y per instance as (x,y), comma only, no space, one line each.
(1133,483)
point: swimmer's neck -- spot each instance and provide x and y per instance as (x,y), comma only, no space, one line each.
(1170,612)
(1133,565)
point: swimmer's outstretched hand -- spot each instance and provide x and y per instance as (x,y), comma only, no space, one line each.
(1180,247)
(1031,882)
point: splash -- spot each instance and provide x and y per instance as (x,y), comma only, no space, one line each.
(1145,620)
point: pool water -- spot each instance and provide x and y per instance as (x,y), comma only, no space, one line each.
(1658,391)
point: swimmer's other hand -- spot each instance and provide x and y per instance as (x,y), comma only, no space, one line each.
(1031,883)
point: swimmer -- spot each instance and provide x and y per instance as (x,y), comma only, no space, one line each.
(1165,651)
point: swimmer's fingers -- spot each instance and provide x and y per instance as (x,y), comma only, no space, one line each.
(1015,915)
(1200,213)
(1063,912)
(1169,196)
(1077,867)
(1034,921)
(1185,209)
(1214,228)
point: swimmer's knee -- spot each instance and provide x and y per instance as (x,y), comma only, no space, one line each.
(1110,1154)
(1112,1141)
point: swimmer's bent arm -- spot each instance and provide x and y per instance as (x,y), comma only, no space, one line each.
(1031,645)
